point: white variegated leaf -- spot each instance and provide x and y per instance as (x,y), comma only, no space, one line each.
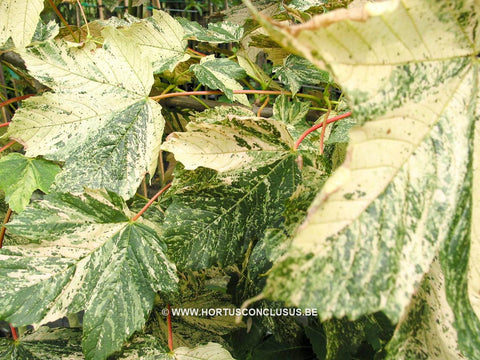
(160,38)
(19,19)
(219,73)
(210,351)
(411,73)
(90,257)
(230,144)
(427,331)
(98,120)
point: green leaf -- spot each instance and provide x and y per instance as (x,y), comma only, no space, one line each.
(45,343)
(217,33)
(214,218)
(230,144)
(221,74)
(255,71)
(377,224)
(21,176)
(90,257)
(99,120)
(297,71)
(19,21)
(160,37)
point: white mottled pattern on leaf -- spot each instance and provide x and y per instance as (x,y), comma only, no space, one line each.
(99,120)
(210,351)
(89,257)
(19,19)
(473,265)
(410,72)
(213,217)
(217,33)
(427,331)
(220,73)
(231,144)
(161,39)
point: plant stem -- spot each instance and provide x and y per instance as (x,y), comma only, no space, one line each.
(18,98)
(62,19)
(84,19)
(217,92)
(169,325)
(3,229)
(4,124)
(7,146)
(317,126)
(14,333)
(150,202)
(196,52)
(326,97)
(265,103)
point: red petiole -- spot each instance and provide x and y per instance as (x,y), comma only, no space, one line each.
(318,126)
(169,325)
(7,146)
(14,332)
(150,202)
(18,98)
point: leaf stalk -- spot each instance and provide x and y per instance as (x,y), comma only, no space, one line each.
(150,202)
(318,126)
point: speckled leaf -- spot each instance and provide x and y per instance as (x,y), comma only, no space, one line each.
(19,20)
(220,113)
(427,332)
(210,351)
(230,144)
(304,5)
(45,343)
(217,33)
(213,218)
(221,74)
(474,266)
(340,131)
(21,176)
(161,39)
(89,257)
(292,112)
(410,72)
(297,71)
(145,347)
(99,120)
(455,256)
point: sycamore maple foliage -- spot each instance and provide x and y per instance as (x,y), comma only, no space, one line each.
(376,234)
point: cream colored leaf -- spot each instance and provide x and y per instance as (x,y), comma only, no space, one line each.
(231,144)
(474,264)
(160,38)
(210,351)
(99,120)
(410,72)
(18,20)
(427,331)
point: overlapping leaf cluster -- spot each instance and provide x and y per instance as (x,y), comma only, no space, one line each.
(392,230)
